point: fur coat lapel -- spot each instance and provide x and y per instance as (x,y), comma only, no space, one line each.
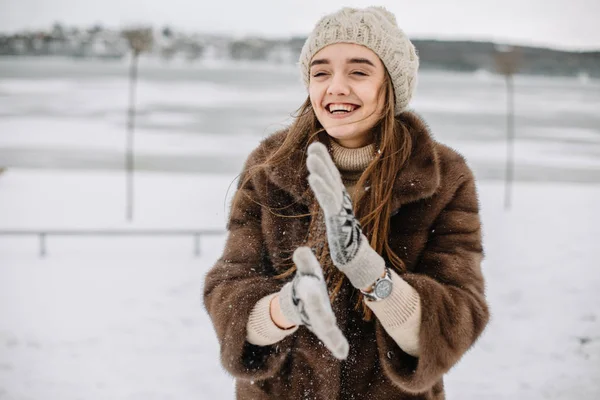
(416,180)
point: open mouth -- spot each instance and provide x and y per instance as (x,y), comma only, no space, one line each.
(341,108)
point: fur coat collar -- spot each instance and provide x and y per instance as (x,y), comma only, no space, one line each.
(417,180)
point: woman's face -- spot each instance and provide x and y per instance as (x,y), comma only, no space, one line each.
(346,92)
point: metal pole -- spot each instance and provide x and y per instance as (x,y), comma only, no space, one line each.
(197,245)
(42,244)
(130,130)
(510,141)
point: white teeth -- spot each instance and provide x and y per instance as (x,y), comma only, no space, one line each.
(341,107)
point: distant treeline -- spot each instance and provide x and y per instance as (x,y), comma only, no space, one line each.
(97,42)
(472,56)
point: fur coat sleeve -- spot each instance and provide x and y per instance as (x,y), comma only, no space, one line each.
(238,280)
(449,281)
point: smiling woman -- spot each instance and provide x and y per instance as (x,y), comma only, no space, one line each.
(352,265)
(346,92)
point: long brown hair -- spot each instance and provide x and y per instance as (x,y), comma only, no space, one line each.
(372,194)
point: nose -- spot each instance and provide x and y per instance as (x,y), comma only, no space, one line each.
(338,85)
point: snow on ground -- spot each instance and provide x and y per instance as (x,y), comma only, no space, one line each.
(108,318)
(122,318)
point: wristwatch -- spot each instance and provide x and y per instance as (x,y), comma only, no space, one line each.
(381,289)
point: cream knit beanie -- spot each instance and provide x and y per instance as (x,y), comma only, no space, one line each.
(375,28)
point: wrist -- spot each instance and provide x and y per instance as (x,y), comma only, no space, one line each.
(369,288)
(381,289)
(365,268)
(277,315)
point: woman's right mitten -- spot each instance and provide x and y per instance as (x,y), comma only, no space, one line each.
(305,301)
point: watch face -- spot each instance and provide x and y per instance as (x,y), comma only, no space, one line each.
(383,289)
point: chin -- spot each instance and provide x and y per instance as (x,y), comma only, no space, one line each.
(353,131)
(342,132)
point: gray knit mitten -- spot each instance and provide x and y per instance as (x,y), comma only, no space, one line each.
(350,250)
(305,301)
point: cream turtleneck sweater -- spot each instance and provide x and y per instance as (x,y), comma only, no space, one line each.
(351,162)
(400,313)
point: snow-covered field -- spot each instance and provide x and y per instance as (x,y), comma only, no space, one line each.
(122,318)
(103,318)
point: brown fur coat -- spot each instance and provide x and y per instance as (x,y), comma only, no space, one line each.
(435,230)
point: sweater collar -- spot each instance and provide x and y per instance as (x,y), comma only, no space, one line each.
(418,179)
(351,160)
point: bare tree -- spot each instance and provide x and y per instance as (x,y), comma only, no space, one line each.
(140,40)
(507,60)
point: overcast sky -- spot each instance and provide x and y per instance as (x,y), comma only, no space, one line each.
(571,24)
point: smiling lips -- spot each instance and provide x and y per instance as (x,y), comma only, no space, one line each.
(341,110)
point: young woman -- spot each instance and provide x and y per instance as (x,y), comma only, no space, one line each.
(352,265)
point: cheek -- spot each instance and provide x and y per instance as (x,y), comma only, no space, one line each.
(373,98)
(315,96)
(366,95)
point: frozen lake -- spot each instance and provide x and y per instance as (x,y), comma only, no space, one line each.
(57,113)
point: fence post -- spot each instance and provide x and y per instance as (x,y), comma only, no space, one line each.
(197,245)
(508,60)
(42,244)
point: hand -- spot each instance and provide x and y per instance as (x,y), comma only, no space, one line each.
(349,248)
(305,301)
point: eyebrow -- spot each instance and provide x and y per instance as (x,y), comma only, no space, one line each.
(322,61)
